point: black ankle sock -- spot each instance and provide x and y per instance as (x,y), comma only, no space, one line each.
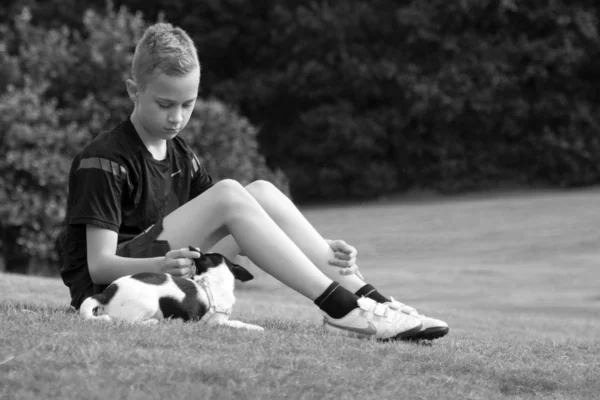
(372,293)
(336,301)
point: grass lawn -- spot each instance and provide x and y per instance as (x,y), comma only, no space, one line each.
(516,276)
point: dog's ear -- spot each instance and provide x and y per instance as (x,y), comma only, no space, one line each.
(200,269)
(240,273)
(192,248)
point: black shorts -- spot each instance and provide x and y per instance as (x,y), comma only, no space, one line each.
(144,245)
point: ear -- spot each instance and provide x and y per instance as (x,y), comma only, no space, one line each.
(196,249)
(132,90)
(196,260)
(240,273)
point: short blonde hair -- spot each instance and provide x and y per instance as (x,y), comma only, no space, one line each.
(163,49)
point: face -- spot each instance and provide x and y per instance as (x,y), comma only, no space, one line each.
(214,260)
(207,261)
(164,107)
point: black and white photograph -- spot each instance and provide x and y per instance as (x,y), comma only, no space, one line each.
(312,199)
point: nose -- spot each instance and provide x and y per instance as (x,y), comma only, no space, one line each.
(176,116)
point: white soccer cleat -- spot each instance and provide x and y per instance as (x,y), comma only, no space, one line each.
(431,328)
(372,319)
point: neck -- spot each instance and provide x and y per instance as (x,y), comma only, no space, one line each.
(221,283)
(156,147)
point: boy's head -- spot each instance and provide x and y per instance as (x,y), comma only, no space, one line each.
(165,81)
(163,49)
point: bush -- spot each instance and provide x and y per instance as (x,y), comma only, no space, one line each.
(33,174)
(227,144)
(61,88)
(360,99)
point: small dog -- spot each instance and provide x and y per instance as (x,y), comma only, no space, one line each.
(149,297)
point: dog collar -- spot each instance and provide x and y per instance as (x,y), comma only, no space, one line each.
(212,307)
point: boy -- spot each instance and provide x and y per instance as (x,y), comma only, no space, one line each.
(138,197)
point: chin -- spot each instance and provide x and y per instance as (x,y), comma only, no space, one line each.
(170,135)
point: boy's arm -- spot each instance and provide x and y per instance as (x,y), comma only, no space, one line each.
(105,266)
(201,179)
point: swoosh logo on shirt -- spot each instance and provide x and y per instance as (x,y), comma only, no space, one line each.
(175,173)
(368,330)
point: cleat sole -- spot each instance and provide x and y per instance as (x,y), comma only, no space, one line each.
(430,334)
(406,335)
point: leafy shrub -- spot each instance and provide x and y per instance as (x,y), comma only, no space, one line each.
(33,173)
(442,94)
(61,88)
(362,98)
(227,144)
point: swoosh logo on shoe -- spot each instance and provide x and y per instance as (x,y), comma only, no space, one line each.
(369,330)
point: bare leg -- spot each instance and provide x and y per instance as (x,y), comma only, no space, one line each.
(227,208)
(297,228)
(287,216)
(228,247)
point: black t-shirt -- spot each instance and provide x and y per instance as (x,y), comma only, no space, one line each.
(116,184)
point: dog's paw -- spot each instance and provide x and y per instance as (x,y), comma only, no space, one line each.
(242,325)
(251,327)
(255,328)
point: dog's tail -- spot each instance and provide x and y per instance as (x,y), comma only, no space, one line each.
(91,308)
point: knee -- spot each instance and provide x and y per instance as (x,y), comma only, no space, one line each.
(232,195)
(228,185)
(229,190)
(261,189)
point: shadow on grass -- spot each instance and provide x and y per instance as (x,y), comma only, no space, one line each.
(36,308)
(513,384)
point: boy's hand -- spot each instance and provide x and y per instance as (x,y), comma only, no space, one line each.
(180,263)
(345,257)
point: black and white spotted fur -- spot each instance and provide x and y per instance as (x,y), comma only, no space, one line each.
(149,297)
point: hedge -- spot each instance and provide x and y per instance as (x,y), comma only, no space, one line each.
(60,89)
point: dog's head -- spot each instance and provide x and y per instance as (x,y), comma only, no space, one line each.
(212,260)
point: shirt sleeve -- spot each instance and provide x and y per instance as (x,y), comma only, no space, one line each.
(201,180)
(97,186)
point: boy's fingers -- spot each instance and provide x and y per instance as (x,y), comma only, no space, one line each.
(338,245)
(345,256)
(342,256)
(179,271)
(349,271)
(342,259)
(338,263)
(184,262)
(183,253)
(342,263)
(352,251)
(343,247)
(187,272)
(176,264)
(187,253)
(193,254)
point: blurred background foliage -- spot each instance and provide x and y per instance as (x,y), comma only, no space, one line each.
(330,100)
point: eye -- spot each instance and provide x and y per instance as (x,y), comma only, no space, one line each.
(164,105)
(188,105)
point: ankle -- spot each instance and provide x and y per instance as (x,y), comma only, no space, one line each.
(337,301)
(372,293)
